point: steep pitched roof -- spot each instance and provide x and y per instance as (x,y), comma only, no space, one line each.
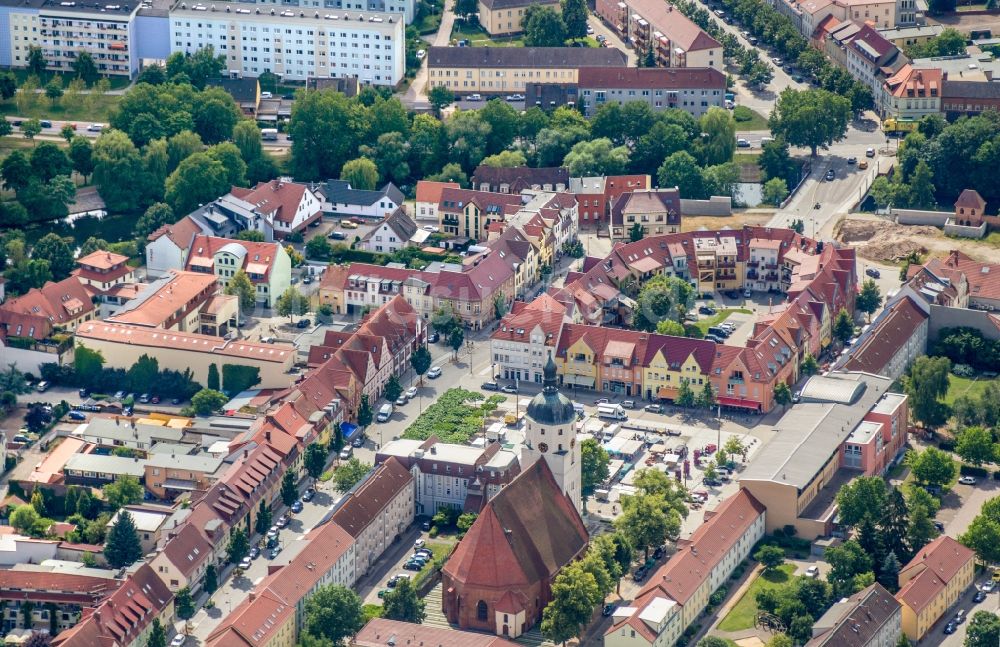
(935,565)
(525,534)
(379,631)
(970,199)
(430,191)
(400,223)
(341,191)
(856,621)
(892,331)
(365,501)
(180,233)
(543,312)
(54,304)
(276,197)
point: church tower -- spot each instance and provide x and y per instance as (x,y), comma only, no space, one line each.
(550,436)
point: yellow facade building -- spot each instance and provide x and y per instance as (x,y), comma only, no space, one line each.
(503,17)
(932,583)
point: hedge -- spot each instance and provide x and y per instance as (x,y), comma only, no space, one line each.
(972,470)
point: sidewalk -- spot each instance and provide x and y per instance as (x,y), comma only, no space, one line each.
(711,621)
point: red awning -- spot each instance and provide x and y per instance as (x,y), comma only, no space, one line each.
(738,402)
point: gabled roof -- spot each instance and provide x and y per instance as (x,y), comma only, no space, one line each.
(54,304)
(646,202)
(187,549)
(525,534)
(341,192)
(180,233)
(400,223)
(533,57)
(430,191)
(892,331)
(256,258)
(931,570)
(380,631)
(520,177)
(368,498)
(646,78)
(678,29)
(543,312)
(279,198)
(243,90)
(856,621)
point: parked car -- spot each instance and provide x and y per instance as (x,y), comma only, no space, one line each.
(509,388)
(852,160)
(420,543)
(345,453)
(870,152)
(273,532)
(742,143)
(659,552)
(421,53)
(154,400)
(434,372)
(979,597)
(402,400)
(358,442)
(308,496)
(434,338)
(254,553)
(706,310)
(950,628)
(654,408)
(830,175)
(489,386)
(959,617)
(747,293)
(988,586)
(602,401)
(144,398)
(274,552)
(95,128)
(83,393)
(338,235)
(245,563)
(412,566)
(640,574)
(303,323)
(282,521)
(628,404)
(813,572)
(296,507)
(872,272)
(967,480)
(608,610)
(411,392)
(178,640)
(77,415)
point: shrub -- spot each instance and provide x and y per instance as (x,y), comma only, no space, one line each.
(742,113)
(971,470)
(946,444)
(963,370)
(433,532)
(718,596)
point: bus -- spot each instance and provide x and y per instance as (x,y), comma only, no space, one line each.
(893,125)
(269,134)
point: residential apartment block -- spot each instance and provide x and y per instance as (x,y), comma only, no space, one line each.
(502,70)
(656,211)
(931,584)
(522,342)
(678,591)
(339,198)
(691,89)
(181,301)
(653,25)
(871,617)
(428,197)
(893,341)
(595,195)
(295,43)
(515,179)
(503,17)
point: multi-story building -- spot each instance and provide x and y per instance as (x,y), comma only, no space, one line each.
(452,476)
(376,511)
(502,70)
(279,207)
(650,25)
(294,43)
(968,98)
(469,214)
(390,235)
(503,17)
(893,341)
(869,618)
(871,59)
(932,583)
(679,591)
(167,476)
(657,211)
(103,271)
(64,30)
(716,264)
(515,179)
(521,343)
(691,89)
(339,198)
(57,599)
(903,37)
(266,264)
(846,425)
(911,93)
(428,197)
(594,195)
(183,302)
(149,524)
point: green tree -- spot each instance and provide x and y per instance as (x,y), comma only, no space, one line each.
(87,364)
(864,496)
(364,412)
(646,521)
(49,161)
(38,502)
(932,466)
(869,299)
(289,491)
(327,128)
(263,521)
(706,399)
(198,179)
(393,389)
(333,612)
(251,235)
(718,140)
(596,157)
(349,473)
(8,85)
(125,490)
(54,89)
(25,519)
(574,15)
(681,170)
(920,190)
(465,521)
(593,465)
(771,557)
(813,118)
(543,27)
(843,326)
(775,191)
(455,340)
(238,546)
(184,604)
(319,249)
(157,635)
(213,380)
(712,641)
(440,97)
(421,360)
(636,232)
(123,547)
(782,394)
(982,536)
(926,385)
(291,303)
(847,561)
(53,248)
(983,630)
(574,595)
(36,61)
(315,460)
(211,582)
(241,286)
(663,297)
(361,173)
(143,373)
(685,395)
(207,401)
(84,68)
(975,445)
(30,128)
(403,603)
(505,159)
(920,529)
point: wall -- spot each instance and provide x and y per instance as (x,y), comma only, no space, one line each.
(715,206)
(920,217)
(945,317)
(951,229)
(30,361)
(152,37)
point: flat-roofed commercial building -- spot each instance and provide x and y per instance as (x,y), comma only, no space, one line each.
(510,69)
(294,43)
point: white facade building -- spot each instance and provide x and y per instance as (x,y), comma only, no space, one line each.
(294,43)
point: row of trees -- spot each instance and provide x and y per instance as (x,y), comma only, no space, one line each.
(88,371)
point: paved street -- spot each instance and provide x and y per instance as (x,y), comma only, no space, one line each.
(415,97)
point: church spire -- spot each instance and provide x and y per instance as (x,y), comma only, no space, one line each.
(549,375)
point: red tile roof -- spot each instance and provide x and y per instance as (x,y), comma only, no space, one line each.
(277,197)
(379,631)
(428,191)
(101,260)
(181,233)
(55,304)
(970,199)
(983,278)
(544,312)
(681,31)
(367,499)
(893,330)
(934,567)
(257,258)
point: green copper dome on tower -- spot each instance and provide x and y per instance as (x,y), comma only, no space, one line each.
(550,407)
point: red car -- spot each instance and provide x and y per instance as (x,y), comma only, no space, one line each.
(357,220)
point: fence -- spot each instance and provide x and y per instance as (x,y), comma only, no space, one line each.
(965,231)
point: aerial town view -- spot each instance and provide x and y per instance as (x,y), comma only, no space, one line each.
(500,323)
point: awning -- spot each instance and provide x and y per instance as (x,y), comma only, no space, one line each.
(348,429)
(579,380)
(738,402)
(666,392)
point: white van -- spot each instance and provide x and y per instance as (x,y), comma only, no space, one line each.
(384,413)
(269,134)
(611,412)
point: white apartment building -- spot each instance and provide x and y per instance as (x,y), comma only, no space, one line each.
(405,7)
(521,344)
(294,43)
(65,28)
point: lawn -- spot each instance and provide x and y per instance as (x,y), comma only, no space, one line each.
(18,142)
(478,37)
(757,122)
(84,109)
(741,616)
(719,317)
(429,24)
(992,239)
(963,386)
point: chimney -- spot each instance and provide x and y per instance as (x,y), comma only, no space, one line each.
(267,436)
(246,454)
(253,595)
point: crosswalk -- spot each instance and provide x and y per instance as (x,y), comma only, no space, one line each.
(434,617)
